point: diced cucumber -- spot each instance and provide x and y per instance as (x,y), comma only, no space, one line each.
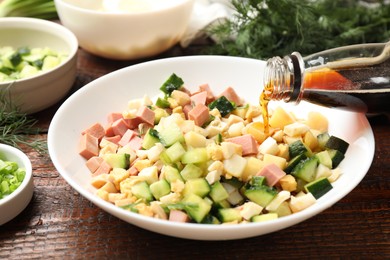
(162,103)
(297,148)
(261,195)
(191,171)
(172,83)
(171,135)
(175,152)
(150,139)
(294,161)
(196,155)
(210,219)
(336,157)
(160,188)
(142,191)
(223,105)
(199,187)
(196,207)
(306,169)
(117,160)
(50,62)
(218,192)
(264,217)
(229,215)
(319,187)
(172,174)
(322,140)
(324,158)
(338,144)
(257,181)
(221,204)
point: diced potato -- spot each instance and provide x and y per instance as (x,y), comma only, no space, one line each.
(335,175)
(281,197)
(283,151)
(317,121)
(232,119)
(278,136)
(269,146)
(109,187)
(250,209)
(253,166)
(289,140)
(142,164)
(158,210)
(150,174)
(194,139)
(112,197)
(310,140)
(125,201)
(280,118)
(181,97)
(103,194)
(117,175)
(288,183)
(229,149)
(256,131)
(295,129)
(235,165)
(253,111)
(299,203)
(99,180)
(278,161)
(236,129)
(323,171)
(213,176)
(214,151)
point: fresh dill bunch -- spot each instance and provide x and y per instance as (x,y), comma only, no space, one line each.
(265,28)
(16,126)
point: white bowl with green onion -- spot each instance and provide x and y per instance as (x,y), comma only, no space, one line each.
(16,182)
(37,63)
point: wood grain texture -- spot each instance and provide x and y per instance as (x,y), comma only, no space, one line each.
(61,224)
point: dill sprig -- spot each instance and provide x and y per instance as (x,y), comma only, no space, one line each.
(265,28)
(17,127)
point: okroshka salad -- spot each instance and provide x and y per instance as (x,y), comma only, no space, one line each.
(205,158)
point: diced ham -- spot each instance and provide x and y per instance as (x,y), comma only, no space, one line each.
(248,143)
(88,146)
(93,163)
(199,98)
(113,139)
(199,114)
(132,123)
(135,143)
(133,171)
(112,117)
(186,110)
(96,130)
(103,168)
(272,174)
(178,216)
(145,115)
(126,137)
(231,95)
(119,127)
(210,95)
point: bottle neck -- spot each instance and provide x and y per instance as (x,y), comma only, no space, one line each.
(283,78)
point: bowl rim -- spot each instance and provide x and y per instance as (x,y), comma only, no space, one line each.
(10,150)
(121,14)
(45,26)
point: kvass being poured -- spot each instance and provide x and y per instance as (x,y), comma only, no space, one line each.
(355,78)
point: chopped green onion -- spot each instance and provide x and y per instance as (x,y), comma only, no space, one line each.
(11,176)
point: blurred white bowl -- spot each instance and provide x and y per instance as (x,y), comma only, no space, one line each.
(17,201)
(122,34)
(38,92)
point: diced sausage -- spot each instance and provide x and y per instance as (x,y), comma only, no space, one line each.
(199,98)
(186,110)
(126,137)
(103,168)
(119,127)
(88,146)
(199,114)
(135,143)
(146,115)
(96,130)
(93,163)
(112,117)
(272,174)
(178,216)
(113,139)
(231,95)
(248,143)
(210,95)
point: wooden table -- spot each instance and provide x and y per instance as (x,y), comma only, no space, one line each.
(59,223)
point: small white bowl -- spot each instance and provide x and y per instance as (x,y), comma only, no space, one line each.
(38,92)
(13,204)
(125,35)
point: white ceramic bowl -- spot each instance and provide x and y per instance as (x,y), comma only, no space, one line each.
(17,201)
(125,35)
(41,91)
(112,92)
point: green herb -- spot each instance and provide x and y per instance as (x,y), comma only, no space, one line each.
(44,9)
(163,103)
(16,126)
(266,28)
(11,176)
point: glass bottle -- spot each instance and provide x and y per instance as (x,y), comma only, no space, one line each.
(355,77)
